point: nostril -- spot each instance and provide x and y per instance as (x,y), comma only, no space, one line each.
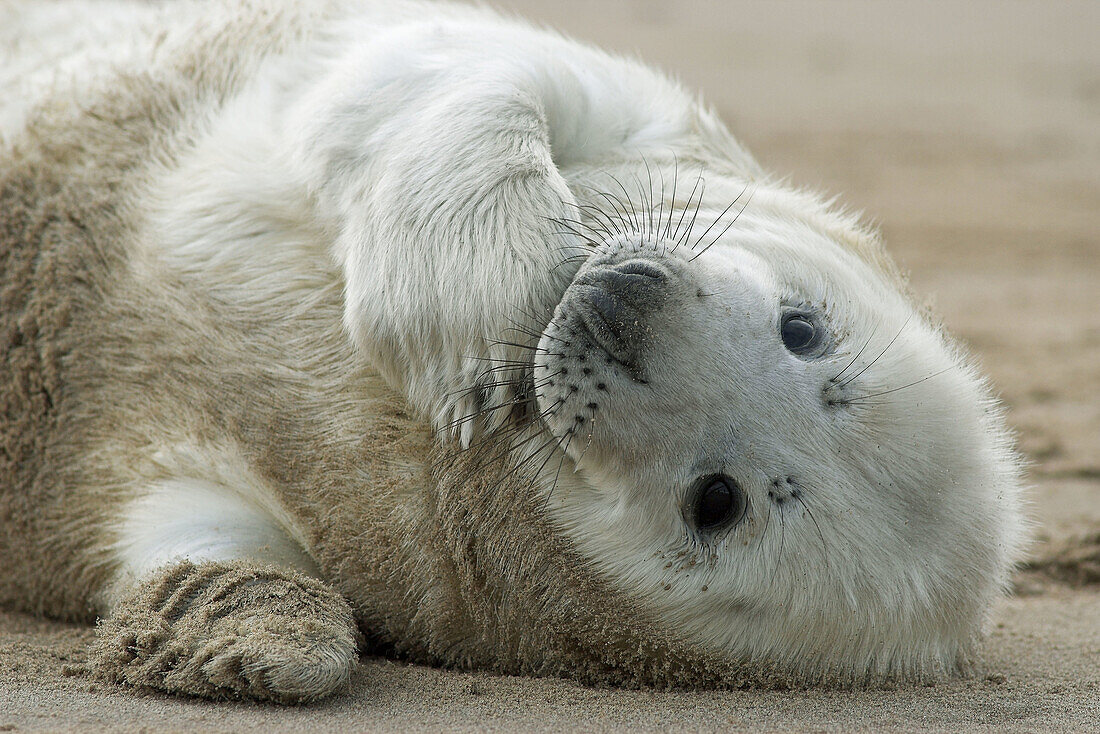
(640,268)
(609,308)
(625,284)
(636,281)
(614,302)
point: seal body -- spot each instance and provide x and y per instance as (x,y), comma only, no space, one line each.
(335,323)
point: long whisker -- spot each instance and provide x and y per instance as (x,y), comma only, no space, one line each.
(672,200)
(595,214)
(505,437)
(686,236)
(620,209)
(496,360)
(649,202)
(608,225)
(719,217)
(451,426)
(876,359)
(726,228)
(637,222)
(565,221)
(518,466)
(767,522)
(569,230)
(833,380)
(510,447)
(862,398)
(537,350)
(494,384)
(782,543)
(569,261)
(564,453)
(810,514)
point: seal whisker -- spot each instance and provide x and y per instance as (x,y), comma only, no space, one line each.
(568,260)
(876,359)
(519,465)
(568,229)
(536,349)
(556,441)
(586,248)
(495,372)
(727,227)
(621,213)
(719,219)
(587,243)
(518,399)
(672,199)
(502,365)
(534,334)
(861,398)
(675,235)
(767,522)
(496,360)
(530,331)
(608,226)
(833,380)
(650,201)
(810,514)
(483,458)
(504,437)
(646,209)
(503,383)
(561,461)
(637,221)
(782,543)
(598,226)
(695,214)
(569,223)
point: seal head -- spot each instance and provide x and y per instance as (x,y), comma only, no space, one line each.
(776,452)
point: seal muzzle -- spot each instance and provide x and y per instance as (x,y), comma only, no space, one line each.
(614,301)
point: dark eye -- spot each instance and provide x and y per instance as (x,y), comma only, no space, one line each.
(799,334)
(717,502)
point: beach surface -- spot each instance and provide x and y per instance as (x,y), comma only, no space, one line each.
(970,134)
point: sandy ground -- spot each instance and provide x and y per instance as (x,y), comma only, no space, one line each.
(971,133)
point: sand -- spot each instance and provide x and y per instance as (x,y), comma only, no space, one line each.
(971,134)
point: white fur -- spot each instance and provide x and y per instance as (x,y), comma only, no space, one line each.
(207,507)
(202,521)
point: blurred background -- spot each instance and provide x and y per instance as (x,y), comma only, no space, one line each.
(969,132)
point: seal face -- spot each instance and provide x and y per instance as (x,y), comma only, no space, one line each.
(784,453)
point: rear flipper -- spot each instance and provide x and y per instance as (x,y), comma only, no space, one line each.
(229,629)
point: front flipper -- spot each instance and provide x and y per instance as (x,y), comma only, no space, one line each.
(448,213)
(228,630)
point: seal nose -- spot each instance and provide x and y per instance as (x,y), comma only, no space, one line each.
(614,301)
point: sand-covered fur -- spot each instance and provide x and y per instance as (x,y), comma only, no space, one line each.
(218,630)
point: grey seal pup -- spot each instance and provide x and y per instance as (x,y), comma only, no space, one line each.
(338,324)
